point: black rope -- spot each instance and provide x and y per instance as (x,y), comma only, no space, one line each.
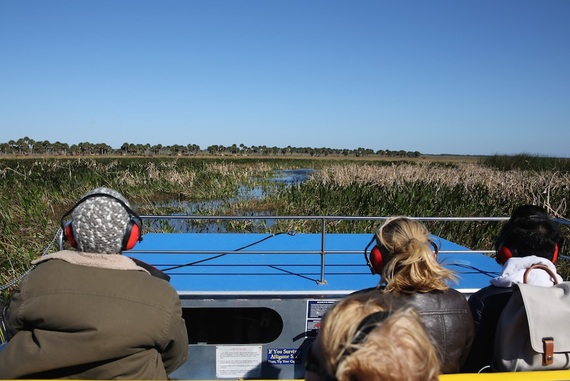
(231,252)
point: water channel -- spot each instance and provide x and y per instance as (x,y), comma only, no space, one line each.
(279,179)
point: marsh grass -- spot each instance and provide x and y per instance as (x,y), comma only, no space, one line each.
(34,194)
(527,162)
(427,190)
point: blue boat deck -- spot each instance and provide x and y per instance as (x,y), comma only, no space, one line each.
(264,293)
(212,264)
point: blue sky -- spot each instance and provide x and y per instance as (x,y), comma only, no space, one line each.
(435,76)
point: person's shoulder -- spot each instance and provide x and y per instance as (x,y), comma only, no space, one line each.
(453,292)
(42,271)
(153,287)
(437,301)
(452,295)
(489,297)
(490,291)
(148,278)
(364,291)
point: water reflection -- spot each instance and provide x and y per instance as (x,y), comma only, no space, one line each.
(280,178)
(292,176)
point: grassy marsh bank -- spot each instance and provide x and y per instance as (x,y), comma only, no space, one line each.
(36,192)
(466,190)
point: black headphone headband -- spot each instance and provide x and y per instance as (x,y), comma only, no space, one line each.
(131,213)
(366,325)
(367,257)
(363,329)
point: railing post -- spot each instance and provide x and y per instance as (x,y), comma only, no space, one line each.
(323,251)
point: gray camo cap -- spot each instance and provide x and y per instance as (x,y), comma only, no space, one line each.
(99,223)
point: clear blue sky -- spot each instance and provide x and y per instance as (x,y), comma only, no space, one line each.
(437,76)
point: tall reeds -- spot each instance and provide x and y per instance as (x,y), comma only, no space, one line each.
(34,194)
(428,190)
(525,162)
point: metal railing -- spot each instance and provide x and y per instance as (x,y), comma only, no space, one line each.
(324,221)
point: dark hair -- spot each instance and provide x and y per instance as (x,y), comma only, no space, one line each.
(528,211)
(530,231)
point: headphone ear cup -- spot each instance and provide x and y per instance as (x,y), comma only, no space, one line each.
(132,235)
(377,259)
(503,255)
(555,255)
(68,234)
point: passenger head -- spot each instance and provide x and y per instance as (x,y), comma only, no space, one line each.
(409,258)
(527,211)
(102,222)
(529,231)
(368,337)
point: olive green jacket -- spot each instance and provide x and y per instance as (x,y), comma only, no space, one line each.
(84,322)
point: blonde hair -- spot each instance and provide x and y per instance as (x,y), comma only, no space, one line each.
(411,266)
(395,348)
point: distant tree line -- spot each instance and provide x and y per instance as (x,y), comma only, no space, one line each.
(26,146)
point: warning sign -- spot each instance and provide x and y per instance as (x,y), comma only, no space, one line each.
(283,356)
(238,361)
(315,311)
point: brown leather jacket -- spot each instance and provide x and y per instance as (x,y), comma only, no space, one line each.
(74,321)
(448,319)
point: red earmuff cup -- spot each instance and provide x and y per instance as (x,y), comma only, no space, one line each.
(69,235)
(555,255)
(376,259)
(503,255)
(133,237)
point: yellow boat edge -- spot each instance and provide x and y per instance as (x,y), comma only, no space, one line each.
(550,375)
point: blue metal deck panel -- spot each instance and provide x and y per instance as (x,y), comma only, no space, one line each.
(227,269)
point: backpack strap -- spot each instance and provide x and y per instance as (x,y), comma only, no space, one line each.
(542,267)
(548,351)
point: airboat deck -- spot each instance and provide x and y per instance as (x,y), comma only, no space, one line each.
(259,297)
(297,264)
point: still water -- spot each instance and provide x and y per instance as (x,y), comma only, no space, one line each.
(279,179)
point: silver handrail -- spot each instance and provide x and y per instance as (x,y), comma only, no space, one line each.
(326,218)
(324,221)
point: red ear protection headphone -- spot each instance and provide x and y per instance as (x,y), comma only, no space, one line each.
(133,231)
(380,255)
(504,254)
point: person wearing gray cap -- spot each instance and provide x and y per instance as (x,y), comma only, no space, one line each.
(92,313)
